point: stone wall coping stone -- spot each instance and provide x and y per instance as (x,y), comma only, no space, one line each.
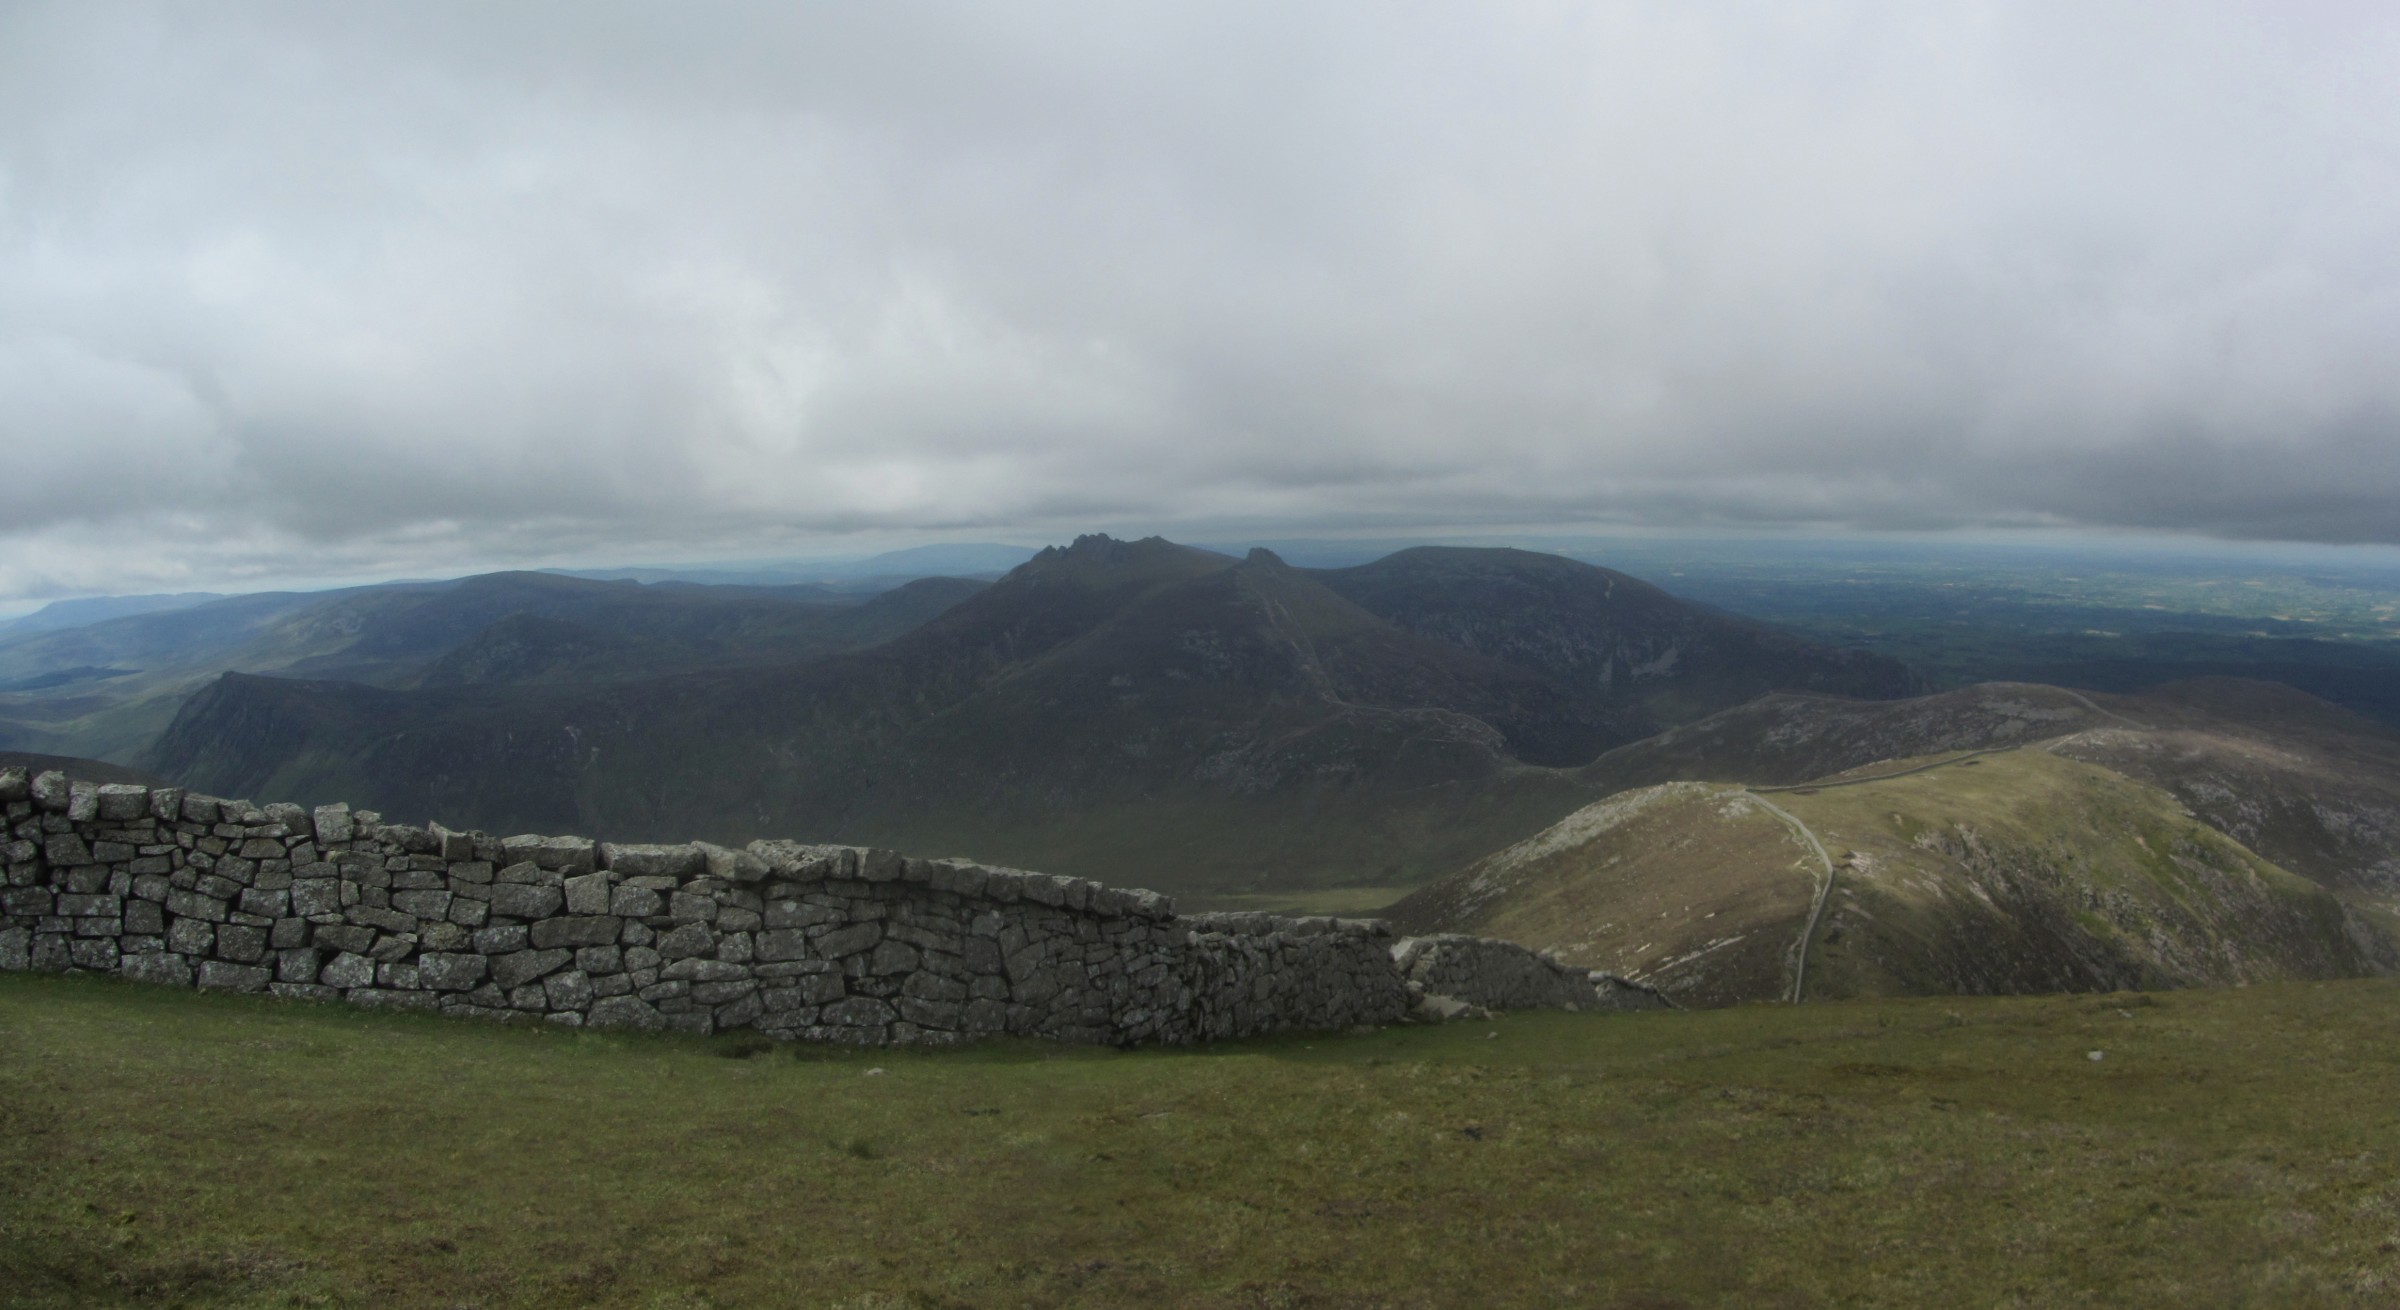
(51,791)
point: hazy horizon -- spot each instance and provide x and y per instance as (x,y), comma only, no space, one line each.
(2030,551)
(338,294)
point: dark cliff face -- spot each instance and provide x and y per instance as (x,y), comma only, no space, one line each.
(1138,711)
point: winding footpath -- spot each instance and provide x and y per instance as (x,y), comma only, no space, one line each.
(2086,702)
(1816,912)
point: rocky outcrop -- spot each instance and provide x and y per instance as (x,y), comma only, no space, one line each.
(821,943)
(1498,975)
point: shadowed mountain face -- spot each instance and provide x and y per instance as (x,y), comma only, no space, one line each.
(1613,637)
(1139,711)
(503,632)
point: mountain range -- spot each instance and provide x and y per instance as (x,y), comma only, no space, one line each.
(1141,711)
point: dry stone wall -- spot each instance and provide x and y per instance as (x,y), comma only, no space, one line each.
(823,943)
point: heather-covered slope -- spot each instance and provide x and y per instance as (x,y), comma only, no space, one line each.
(1790,737)
(2017,871)
(2308,785)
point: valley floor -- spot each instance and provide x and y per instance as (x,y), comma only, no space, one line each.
(2236,1147)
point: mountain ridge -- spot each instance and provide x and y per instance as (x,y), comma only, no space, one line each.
(1133,710)
(391,635)
(2003,837)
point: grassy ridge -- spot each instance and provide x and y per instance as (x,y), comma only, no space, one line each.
(2233,1148)
(2027,871)
(2019,872)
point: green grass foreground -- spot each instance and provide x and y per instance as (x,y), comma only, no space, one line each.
(2231,1148)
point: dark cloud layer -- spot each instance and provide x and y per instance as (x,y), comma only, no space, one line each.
(304,289)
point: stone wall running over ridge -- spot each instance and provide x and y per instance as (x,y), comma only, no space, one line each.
(823,943)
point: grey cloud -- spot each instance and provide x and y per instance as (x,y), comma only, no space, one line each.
(400,288)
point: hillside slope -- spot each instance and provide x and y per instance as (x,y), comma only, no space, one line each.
(2021,871)
(1787,737)
(2310,786)
(2307,784)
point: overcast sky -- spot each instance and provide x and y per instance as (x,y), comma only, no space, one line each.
(361,290)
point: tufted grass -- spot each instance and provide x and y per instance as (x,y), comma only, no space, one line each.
(2233,1148)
